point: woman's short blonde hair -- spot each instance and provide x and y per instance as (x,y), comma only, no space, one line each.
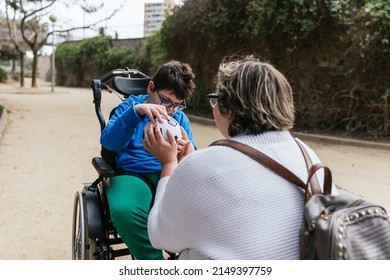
(255,96)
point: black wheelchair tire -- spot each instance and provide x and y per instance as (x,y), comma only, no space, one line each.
(79,228)
(83,247)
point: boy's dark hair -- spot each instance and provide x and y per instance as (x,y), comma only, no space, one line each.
(176,76)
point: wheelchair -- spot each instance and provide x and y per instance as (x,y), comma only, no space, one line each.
(94,236)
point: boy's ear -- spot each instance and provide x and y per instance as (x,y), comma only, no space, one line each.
(150,87)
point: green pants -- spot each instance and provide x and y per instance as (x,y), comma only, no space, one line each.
(130,199)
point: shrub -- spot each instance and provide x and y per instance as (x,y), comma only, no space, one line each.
(3,75)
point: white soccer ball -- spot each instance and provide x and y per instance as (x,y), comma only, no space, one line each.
(171,125)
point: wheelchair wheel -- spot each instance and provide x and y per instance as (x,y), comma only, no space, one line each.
(82,246)
(79,228)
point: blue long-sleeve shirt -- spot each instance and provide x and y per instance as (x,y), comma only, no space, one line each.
(124,133)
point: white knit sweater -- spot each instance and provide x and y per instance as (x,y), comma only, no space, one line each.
(221,204)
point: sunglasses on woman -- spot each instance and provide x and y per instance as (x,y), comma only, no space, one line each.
(213,98)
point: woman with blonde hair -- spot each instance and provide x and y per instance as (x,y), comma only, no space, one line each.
(219,203)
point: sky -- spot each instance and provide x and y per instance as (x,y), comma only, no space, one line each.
(127,22)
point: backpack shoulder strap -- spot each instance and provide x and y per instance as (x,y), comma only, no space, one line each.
(266,161)
(315,185)
(284,172)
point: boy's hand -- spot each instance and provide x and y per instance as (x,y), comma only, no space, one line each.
(152,111)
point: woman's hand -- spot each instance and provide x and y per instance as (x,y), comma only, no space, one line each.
(184,145)
(152,111)
(164,151)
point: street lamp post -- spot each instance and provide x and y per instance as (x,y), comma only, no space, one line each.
(53,19)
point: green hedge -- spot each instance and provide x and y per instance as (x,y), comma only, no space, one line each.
(3,75)
(335,53)
(77,63)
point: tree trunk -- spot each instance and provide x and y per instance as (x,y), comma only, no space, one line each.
(21,58)
(13,69)
(34,69)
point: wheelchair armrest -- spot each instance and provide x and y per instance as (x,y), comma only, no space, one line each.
(103,168)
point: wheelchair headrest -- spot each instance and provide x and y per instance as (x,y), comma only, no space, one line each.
(130,85)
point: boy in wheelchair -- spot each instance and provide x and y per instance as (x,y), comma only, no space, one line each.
(131,192)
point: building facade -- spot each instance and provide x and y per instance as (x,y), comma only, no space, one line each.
(154,15)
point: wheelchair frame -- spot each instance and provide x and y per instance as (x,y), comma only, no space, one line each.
(94,237)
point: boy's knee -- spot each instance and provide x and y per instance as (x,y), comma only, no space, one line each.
(130,214)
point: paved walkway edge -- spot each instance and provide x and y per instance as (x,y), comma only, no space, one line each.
(315,137)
